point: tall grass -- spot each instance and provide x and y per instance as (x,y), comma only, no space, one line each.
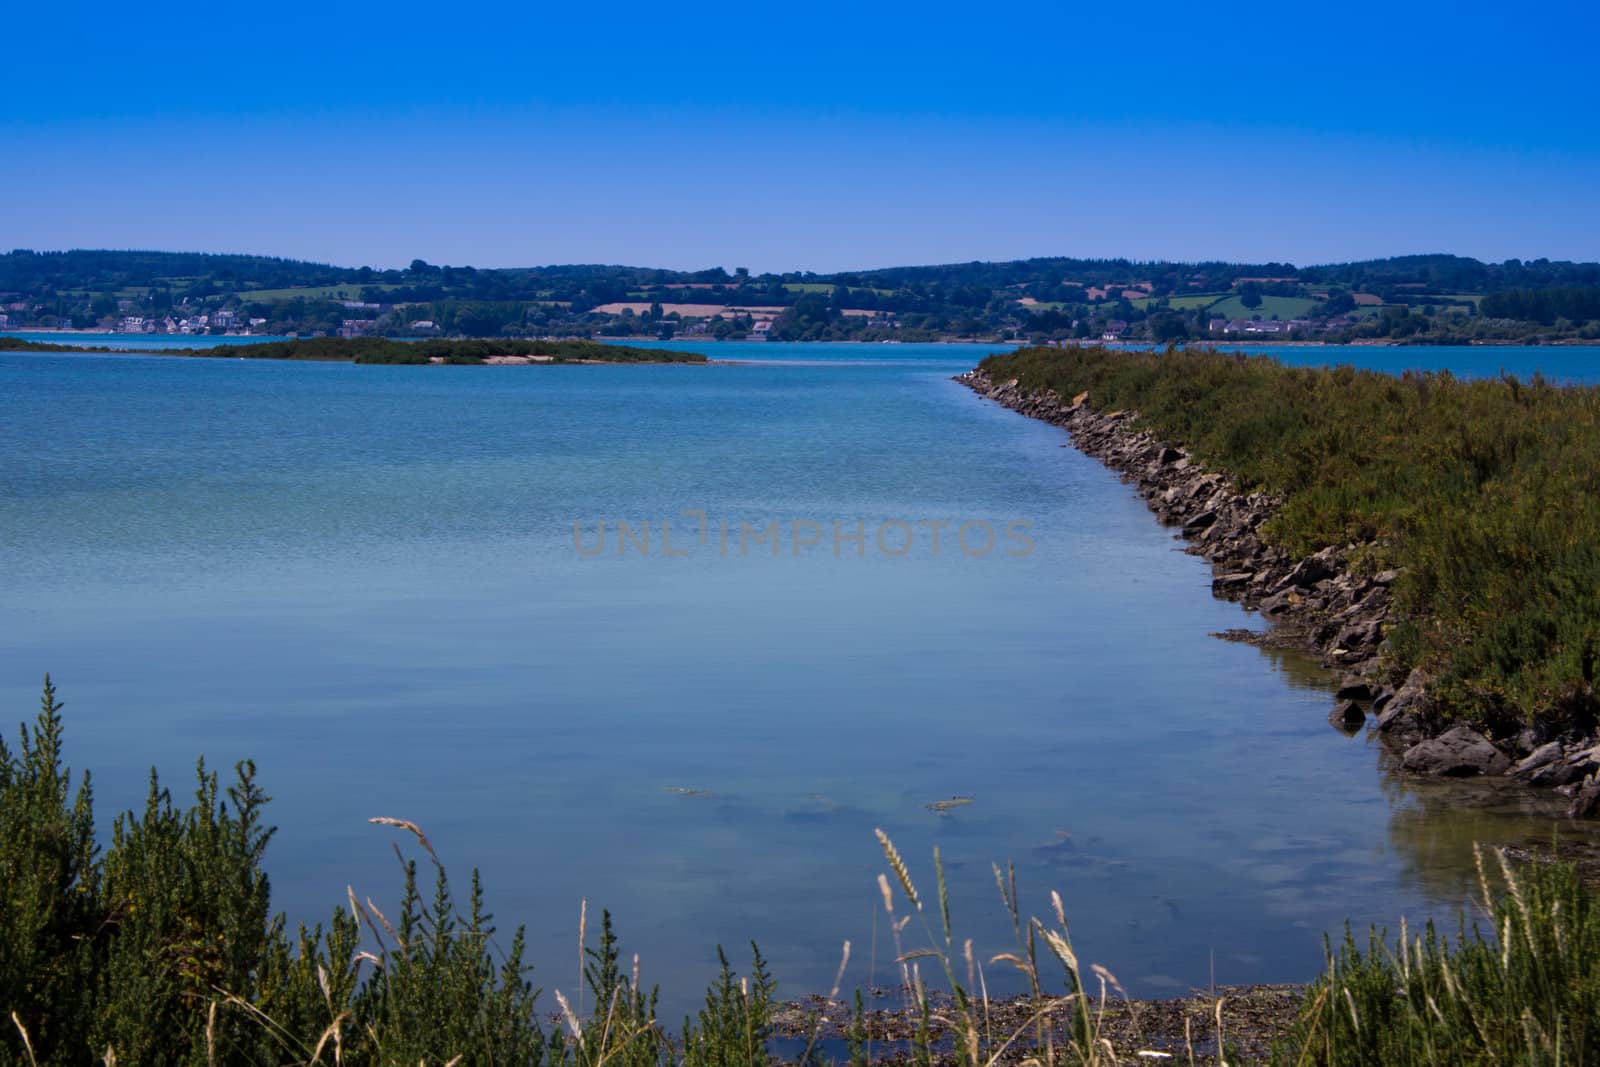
(1529,994)
(161,949)
(1485,494)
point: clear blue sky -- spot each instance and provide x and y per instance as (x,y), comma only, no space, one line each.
(814,136)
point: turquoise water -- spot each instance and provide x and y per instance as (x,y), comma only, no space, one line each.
(366,579)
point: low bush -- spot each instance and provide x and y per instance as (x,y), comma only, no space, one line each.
(161,949)
(1484,494)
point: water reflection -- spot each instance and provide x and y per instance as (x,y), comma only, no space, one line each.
(1435,823)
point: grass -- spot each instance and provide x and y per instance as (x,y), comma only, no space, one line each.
(161,947)
(1190,302)
(1485,495)
(347,291)
(1279,307)
(828,287)
(1527,994)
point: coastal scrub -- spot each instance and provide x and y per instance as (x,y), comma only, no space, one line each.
(1483,495)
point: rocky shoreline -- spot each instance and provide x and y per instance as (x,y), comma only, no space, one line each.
(1321,604)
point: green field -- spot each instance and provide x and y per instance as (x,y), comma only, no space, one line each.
(348,291)
(827,287)
(1272,307)
(1181,303)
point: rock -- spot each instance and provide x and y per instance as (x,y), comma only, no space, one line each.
(1564,773)
(1357,635)
(1384,578)
(1458,752)
(1532,738)
(1406,699)
(1587,802)
(1540,758)
(1231,583)
(1347,717)
(1278,603)
(1313,569)
(1354,687)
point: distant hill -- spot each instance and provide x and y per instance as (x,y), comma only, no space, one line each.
(1418,297)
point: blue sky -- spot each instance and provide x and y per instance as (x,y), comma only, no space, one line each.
(820,136)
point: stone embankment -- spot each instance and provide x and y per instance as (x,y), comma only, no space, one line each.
(1319,603)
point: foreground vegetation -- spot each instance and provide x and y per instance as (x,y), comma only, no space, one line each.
(1485,495)
(161,948)
(383,350)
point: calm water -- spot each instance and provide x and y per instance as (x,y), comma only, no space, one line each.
(365,578)
(138,342)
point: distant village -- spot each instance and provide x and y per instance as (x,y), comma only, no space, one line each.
(183,294)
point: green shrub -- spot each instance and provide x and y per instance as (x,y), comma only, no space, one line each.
(1530,996)
(1485,494)
(164,951)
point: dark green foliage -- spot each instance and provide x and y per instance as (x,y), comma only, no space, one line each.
(1529,994)
(439,992)
(1544,305)
(736,1023)
(184,903)
(163,950)
(856,1037)
(1485,494)
(49,887)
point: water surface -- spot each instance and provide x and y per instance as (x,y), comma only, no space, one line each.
(365,578)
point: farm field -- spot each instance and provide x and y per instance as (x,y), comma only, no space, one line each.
(1180,303)
(827,287)
(1272,307)
(349,291)
(697,311)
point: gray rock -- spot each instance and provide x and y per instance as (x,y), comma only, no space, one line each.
(1587,802)
(1360,634)
(1459,752)
(1571,768)
(1541,757)
(1233,582)
(1347,717)
(1313,569)
(1354,687)
(1408,698)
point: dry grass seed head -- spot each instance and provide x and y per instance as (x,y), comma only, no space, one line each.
(415,830)
(569,1017)
(898,865)
(26,1042)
